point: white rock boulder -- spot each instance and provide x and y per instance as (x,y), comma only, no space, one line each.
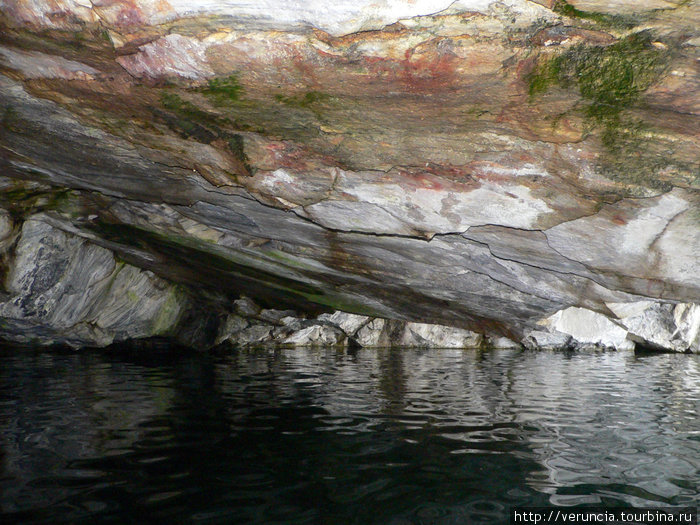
(589,328)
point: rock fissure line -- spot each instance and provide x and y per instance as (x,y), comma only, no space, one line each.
(543,268)
(446,234)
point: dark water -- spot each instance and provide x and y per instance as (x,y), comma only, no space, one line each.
(320,436)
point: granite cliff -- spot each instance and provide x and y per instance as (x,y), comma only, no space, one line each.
(513,170)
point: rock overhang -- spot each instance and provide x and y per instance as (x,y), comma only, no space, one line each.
(405,163)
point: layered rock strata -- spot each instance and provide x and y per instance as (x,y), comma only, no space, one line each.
(514,169)
(63,288)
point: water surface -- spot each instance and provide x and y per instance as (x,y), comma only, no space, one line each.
(325,436)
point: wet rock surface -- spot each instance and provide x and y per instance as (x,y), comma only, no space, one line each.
(518,170)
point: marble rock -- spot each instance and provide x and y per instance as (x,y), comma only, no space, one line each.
(589,328)
(436,336)
(502,343)
(545,340)
(476,163)
(687,319)
(230,328)
(275,316)
(63,289)
(254,335)
(246,307)
(6,230)
(316,335)
(348,323)
(664,326)
(374,334)
(33,64)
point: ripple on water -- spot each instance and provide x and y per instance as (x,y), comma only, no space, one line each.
(314,436)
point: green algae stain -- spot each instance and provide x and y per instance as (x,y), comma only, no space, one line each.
(207,260)
(543,76)
(614,77)
(603,19)
(173,102)
(188,120)
(236,146)
(610,78)
(342,303)
(223,91)
(170,311)
(21,201)
(611,81)
(311,100)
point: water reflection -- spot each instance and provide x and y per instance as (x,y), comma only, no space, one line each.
(321,436)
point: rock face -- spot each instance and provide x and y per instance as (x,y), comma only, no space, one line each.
(518,169)
(257,327)
(63,289)
(649,325)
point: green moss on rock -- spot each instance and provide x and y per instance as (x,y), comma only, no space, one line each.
(22,201)
(170,311)
(184,108)
(611,80)
(236,146)
(343,303)
(613,77)
(224,90)
(208,260)
(312,101)
(304,101)
(602,19)
(188,120)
